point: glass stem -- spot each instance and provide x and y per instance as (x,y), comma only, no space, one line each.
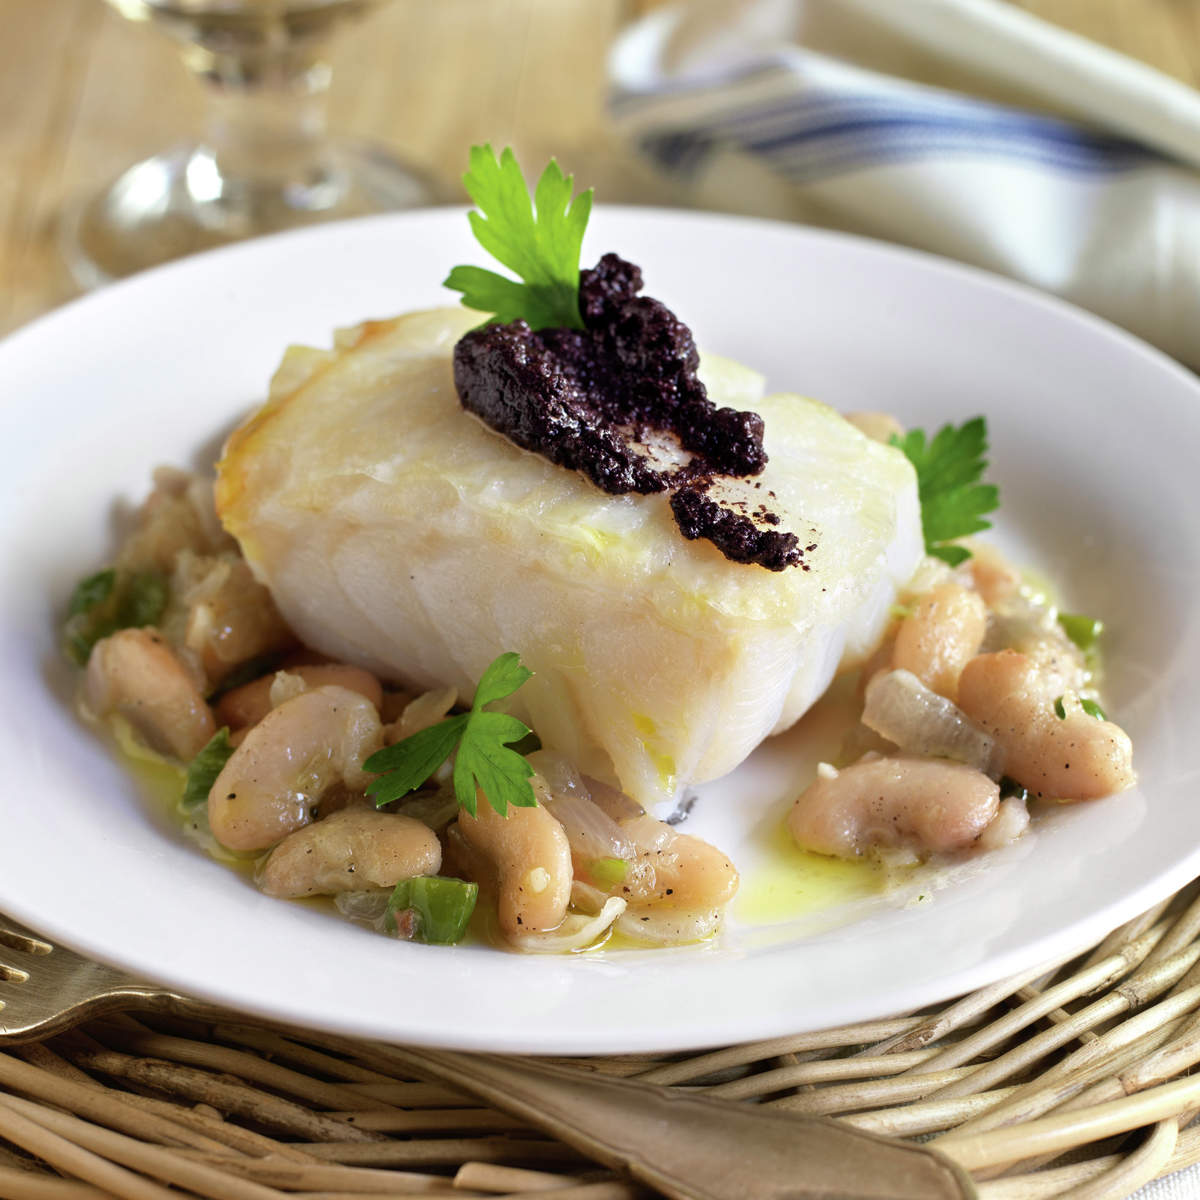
(266,153)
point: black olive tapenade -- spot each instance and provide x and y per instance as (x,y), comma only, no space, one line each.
(586,398)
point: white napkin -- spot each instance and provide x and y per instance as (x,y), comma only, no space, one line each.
(1038,154)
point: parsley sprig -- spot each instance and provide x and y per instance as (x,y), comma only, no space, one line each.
(542,247)
(953,500)
(484,759)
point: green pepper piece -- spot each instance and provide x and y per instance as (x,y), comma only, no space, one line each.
(607,872)
(443,906)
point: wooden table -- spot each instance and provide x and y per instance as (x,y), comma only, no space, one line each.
(83,93)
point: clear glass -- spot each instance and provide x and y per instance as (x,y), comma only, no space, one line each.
(266,162)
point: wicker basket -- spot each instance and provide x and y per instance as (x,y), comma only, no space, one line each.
(1067,1080)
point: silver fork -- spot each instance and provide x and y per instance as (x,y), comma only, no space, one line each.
(687,1146)
(46,989)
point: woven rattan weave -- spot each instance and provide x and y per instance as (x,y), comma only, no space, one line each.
(1068,1081)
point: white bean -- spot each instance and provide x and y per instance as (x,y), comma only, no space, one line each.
(222,614)
(929,806)
(136,674)
(1073,758)
(675,870)
(350,851)
(663,868)
(248,704)
(994,577)
(273,780)
(942,635)
(529,850)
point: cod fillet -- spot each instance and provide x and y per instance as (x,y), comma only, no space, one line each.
(398,532)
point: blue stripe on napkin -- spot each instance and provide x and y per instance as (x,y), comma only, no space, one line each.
(822,133)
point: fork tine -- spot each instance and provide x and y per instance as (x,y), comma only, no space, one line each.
(15,941)
(16,936)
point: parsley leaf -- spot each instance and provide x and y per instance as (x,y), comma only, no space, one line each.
(91,592)
(407,764)
(953,500)
(111,600)
(485,758)
(542,248)
(503,677)
(203,770)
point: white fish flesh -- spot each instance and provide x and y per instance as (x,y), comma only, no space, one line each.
(398,532)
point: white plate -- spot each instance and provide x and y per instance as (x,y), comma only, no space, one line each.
(1095,444)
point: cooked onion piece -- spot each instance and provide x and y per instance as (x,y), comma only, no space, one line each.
(653,924)
(592,834)
(178,515)
(578,931)
(899,707)
(421,712)
(220,614)
(668,927)
(368,907)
